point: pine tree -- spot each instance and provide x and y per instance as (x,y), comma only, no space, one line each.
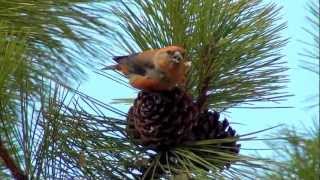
(50,130)
(299,151)
(298,154)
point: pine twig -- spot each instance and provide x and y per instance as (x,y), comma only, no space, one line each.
(202,98)
(17,173)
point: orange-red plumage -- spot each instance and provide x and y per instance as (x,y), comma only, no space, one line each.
(148,84)
(154,70)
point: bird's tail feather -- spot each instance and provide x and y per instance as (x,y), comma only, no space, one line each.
(119,58)
(111,67)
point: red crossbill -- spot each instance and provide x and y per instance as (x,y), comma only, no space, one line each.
(154,70)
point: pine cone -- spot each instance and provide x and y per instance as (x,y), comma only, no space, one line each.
(209,127)
(160,120)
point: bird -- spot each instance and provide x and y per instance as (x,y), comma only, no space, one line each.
(155,69)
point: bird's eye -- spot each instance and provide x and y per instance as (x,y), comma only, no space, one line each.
(177,57)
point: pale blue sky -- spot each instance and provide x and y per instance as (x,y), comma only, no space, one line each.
(303,84)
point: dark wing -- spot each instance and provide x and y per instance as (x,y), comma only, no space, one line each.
(136,69)
(135,63)
(118,59)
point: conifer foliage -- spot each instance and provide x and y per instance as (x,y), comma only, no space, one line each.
(50,130)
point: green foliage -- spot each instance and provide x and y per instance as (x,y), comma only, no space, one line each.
(55,132)
(74,136)
(311,52)
(12,78)
(312,48)
(235,44)
(60,37)
(41,40)
(300,154)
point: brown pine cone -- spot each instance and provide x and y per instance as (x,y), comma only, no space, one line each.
(161,120)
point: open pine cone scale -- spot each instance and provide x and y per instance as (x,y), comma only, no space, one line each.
(161,120)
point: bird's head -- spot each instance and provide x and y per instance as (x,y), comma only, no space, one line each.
(174,54)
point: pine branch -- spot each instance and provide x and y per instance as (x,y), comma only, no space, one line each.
(60,138)
(40,41)
(311,52)
(63,133)
(73,135)
(16,172)
(63,36)
(201,101)
(235,43)
(301,156)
